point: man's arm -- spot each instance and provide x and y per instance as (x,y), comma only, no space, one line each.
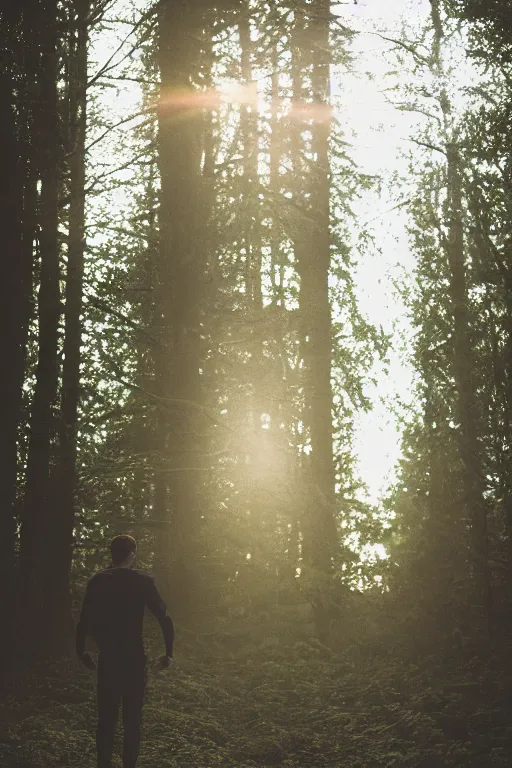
(159,610)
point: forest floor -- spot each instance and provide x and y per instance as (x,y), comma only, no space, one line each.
(297,705)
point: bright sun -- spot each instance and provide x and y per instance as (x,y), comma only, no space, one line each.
(234,92)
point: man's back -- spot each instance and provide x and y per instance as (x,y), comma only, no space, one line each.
(113,611)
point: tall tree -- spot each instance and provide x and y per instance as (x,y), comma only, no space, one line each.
(463,363)
(448,480)
(314,265)
(58,553)
(14,288)
(180,277)
(33,535)
(488,135)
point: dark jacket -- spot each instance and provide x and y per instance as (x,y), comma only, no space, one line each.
(113,612)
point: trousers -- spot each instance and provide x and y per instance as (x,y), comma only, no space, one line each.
(120,681)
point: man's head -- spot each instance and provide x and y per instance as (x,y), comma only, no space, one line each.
(123,549)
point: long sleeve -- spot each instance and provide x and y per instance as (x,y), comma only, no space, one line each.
(83,626)
(159,610)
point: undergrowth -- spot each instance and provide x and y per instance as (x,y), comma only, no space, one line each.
(299,705)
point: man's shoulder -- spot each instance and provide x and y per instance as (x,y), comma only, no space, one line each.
(108,573)
(99,577)
(143,576)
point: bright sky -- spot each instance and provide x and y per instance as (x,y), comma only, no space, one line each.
(382,134)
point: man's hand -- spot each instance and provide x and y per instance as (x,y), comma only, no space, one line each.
(88,661)
(164,662)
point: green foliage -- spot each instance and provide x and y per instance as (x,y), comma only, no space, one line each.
(429,501)
(292,704)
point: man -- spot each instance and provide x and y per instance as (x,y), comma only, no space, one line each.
(112,614)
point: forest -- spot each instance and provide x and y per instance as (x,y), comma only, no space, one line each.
(197,247)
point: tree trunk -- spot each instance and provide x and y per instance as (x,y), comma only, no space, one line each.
(300,233)
(311,241)
(13,321)
(59,552)
(321,540)
(454,246)
(181,272)
(35,510)
(277,260)
(463,365)
(251,204)
(507,480)
(250,242)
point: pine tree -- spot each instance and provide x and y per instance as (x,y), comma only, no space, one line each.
(180,278)
(38,501)
(58,554)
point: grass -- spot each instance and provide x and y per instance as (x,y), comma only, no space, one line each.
(296,705)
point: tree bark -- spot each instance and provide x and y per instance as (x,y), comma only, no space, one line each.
(59,552)
(311,243)
(300,238)
(277,261)
(13,320)
(251,204)
(463,363)
(181,271)
(251,243)
(314,264)
(42,419)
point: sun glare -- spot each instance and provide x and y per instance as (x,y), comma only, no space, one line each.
(234,92)
(246,94)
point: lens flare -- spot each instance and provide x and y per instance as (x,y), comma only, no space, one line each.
(185,101)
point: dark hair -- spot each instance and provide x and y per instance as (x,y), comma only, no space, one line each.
(121,547)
